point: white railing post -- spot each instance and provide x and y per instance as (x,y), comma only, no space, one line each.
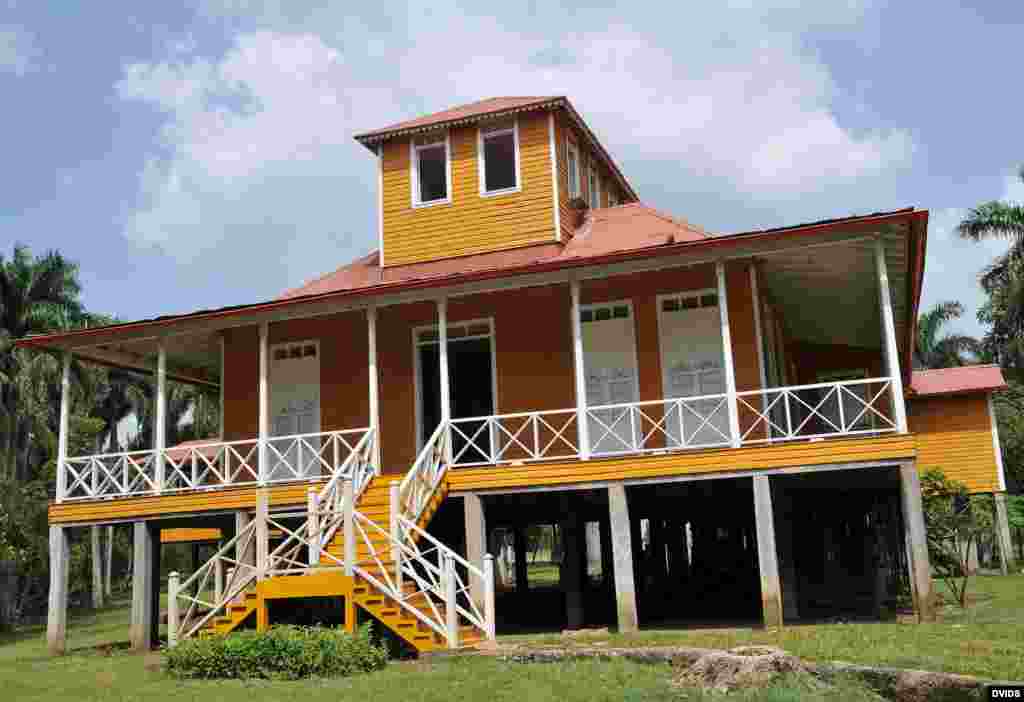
(160,418)
(313,525)
(264,404)
(230,583)
(218,576)
(489,610)
(173,619)
(451,604)
(892,354)
(396,531)
(348,498)
(62,435)
(446,391)
(374,387)
(582,426)
(730,370)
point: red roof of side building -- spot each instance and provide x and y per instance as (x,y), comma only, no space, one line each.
(957,381)
(608,230)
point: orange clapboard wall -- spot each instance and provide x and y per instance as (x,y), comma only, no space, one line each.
(795,454)
(470,223)
(95,512)
(954,435)
(533,353)
(565,131)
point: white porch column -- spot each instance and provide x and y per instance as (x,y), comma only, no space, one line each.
(62,436)
(730,370)
(57,610)
(442,340)
(892,354)
(264,401)
(220,422)
(371,345)
(582,426)
(160,416)
(108,568)
(767,552)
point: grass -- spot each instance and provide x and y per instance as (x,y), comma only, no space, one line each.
(987,640)
(88,674)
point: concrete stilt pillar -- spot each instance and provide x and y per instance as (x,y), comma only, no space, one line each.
(522,575)
(143,614)
(592,532)
(782,506)
(154,593)
(109,567)
(96,556)
(476,542)
(1003,539)
(605,527)
(973,558)
(917,546)
(622,559)
(571,571)
(767,553)
(57,610)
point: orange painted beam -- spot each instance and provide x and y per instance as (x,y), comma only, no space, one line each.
(185,535)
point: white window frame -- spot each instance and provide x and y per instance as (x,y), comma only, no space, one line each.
(592,307)
(660,302)
(482,134)
(593,188)
(612,200)
(418,370)
(572,168)
(414,171)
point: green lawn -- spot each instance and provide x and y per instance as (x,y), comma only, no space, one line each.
(987,640)
(87,674)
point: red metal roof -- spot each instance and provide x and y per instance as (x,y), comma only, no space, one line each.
(956,381)
(609,230)
(462,112)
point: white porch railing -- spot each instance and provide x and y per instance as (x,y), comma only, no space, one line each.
(816,411)
(207,466)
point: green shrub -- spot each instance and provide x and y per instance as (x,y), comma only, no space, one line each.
(282,652)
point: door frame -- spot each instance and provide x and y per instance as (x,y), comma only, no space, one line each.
(418,369)
(590,306)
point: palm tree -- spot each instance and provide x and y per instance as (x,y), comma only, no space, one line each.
(935,349)
(1004,279)
(37,294)
(996,219)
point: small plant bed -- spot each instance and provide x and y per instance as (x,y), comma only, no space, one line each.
(280,653)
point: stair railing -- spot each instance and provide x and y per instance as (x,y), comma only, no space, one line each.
(420,483)
(241,574)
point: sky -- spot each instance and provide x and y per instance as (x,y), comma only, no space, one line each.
(196,154)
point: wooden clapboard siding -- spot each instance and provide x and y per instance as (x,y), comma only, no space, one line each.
(469,224)
(533,352)
(188,535)
(241,383)
(795,454)
(565,130)
(175,504)
(954,435)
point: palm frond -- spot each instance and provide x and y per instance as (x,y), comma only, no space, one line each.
(993,219)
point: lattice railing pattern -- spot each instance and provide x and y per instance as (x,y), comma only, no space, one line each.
(208,466)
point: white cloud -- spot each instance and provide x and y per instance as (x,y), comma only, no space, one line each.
(256,159)
(18,50)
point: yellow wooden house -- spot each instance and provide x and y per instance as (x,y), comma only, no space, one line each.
(541,404)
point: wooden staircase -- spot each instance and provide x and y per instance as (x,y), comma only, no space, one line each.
(374,504)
